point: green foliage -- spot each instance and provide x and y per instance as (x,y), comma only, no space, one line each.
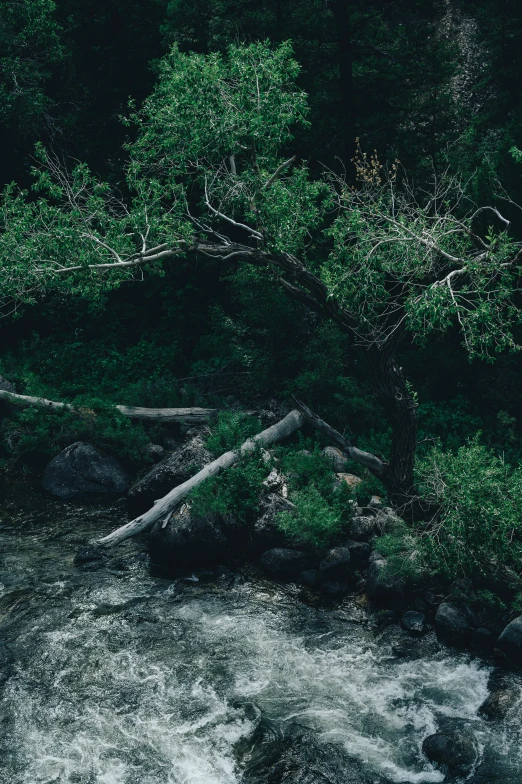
(476,530)
(322,507)
(37,437)
(234,494)
(231,430)
(314,521)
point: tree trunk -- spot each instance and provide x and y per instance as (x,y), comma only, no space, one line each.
(392,392)
(163,415)
(166,505)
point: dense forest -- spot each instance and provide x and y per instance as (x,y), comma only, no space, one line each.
(261,392)
(247,207)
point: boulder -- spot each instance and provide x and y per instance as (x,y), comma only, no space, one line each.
(510,642)
(375,521)
(503,695)
(335,566)
(266,532)
(383,586)
(451,625)
(81,471)
(188,541)
(168,473)
(454,752)
(311,578)
(483,641)
(349,479)
(284,562)
(335,588)
(414,622)
(359,552)
(336,457)
(155,451)
(6,385)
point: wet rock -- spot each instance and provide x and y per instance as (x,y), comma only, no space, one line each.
(293,756)
(359,552)
(454,752)
(6,385)
(81,471)
(335,588)
(414,622)
(91,556)
(168,473)
(483,641)
(452,626)
(155,451)
(510,642)
(383,586)
(503,696)
(336,457)
(267,534)
(188,540)
(335,566)
(311,578)
(284,562)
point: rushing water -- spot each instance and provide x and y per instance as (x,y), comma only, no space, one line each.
(116,675)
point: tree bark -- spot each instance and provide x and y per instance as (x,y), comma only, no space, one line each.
(392,392)
(164,415)
(372,462)
(166,505)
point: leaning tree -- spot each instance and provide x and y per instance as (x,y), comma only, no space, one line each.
(211,173)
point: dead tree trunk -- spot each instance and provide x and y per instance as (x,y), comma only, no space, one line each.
(165,506)
(392,391)
(163,415)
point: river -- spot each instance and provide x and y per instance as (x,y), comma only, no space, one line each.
(115,674)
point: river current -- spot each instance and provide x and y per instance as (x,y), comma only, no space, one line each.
(119,675)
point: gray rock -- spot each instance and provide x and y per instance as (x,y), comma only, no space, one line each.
(170,472)
(335,588)
(373,522)
(267,534)
(335,566)
(6,385)
(383,587)
(503,696)
(359,552)
(414,622)
(510,642)
(454,752)
(336,457)
(451,625)
(81,471)
(188,541)
(311,578)
(284,562)
(483,641)
(155,451)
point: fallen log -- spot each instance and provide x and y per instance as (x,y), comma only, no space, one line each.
(372,462)
(163,415)
(165,506)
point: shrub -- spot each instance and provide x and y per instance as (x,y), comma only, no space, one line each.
(233,493)
(476,531)
(314,521)
(230,431)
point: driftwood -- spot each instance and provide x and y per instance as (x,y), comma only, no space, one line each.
(165,506)
(372,462)
(164,415)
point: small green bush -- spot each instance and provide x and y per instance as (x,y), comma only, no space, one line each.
(40,436)
(230,431)
(314,521)
(476,529)
(234,493)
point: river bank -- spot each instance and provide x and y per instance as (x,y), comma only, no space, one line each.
(118,674)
